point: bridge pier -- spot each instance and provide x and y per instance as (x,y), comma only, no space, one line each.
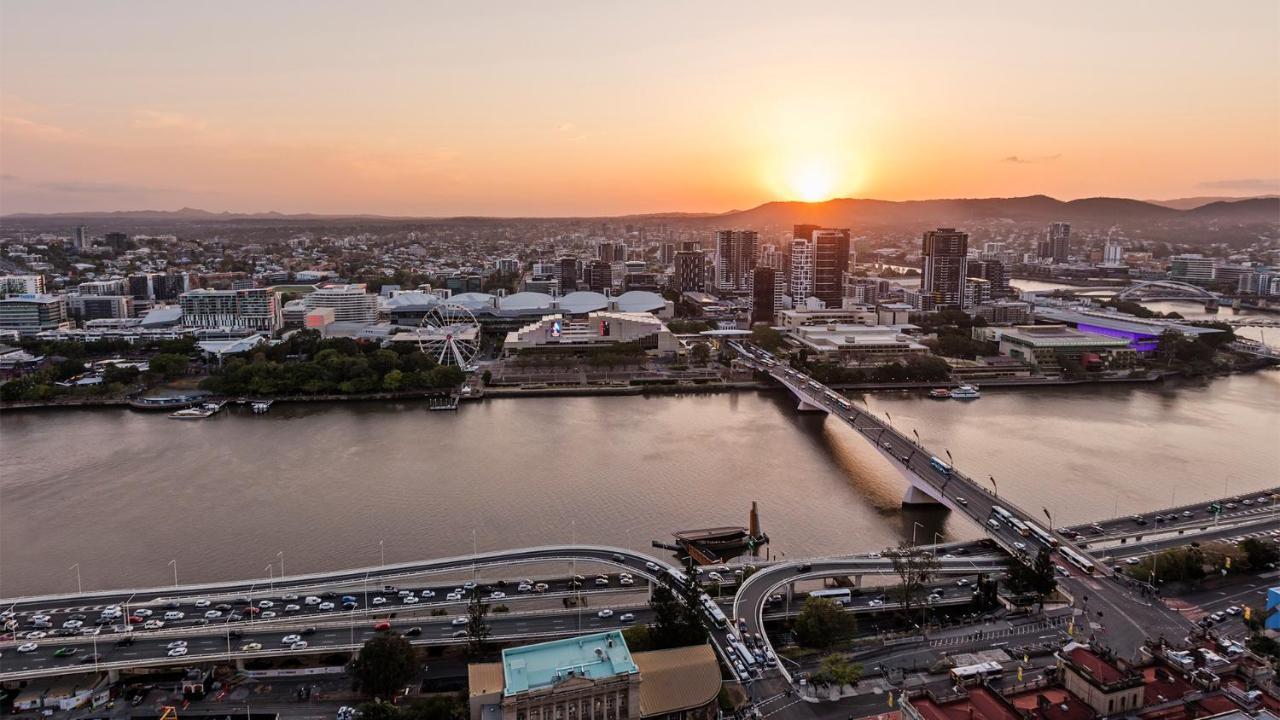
(916,496)
(807,407)
(113,675)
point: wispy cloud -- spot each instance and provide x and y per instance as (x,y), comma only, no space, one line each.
(1246,184)
(162,120)
(84,187)
(1030,159)
(566,127)
(25,127)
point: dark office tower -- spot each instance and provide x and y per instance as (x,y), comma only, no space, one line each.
(690,246)
(1059,242)
(736,254)
(830,263)
(567,272)
(168,287)
(117,241)
(945,266)
(804,232)
(766,294)
(598,276)
(690,271)
(667,253)
(140,287)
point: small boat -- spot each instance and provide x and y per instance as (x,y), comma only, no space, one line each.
(191,414)
(940,393)
(966,392)
(261,406)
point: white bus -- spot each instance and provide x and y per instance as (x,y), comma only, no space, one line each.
(840,596)
(970,674)
(1042,535)
(1077,559)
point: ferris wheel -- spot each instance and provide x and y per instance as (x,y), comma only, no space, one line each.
(450,334)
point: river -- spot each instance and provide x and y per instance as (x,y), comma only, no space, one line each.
(123,493)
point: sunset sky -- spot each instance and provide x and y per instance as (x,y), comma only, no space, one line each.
(565,108)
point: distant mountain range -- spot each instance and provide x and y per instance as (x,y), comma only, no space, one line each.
(842,212)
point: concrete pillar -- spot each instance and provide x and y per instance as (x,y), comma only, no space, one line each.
(805,406)
(916,496)
(857,581)
(113,675)
(239,663)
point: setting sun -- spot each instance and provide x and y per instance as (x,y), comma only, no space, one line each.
(811,181)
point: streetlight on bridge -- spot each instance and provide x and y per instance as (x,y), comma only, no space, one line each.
(76,567)
(994,487)
(914,526)
(913,432)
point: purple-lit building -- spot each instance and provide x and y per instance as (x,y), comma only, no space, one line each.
(1143,334)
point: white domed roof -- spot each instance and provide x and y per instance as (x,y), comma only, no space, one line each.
(583,301)
(473,301)
(411,299)
(640,301)
(526,301)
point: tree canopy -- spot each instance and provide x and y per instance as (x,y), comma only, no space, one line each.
(385,663)
(822,623)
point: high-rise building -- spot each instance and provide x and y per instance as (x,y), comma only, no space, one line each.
(117,286)
(567,273)
(80,240)
(667,253)
(598,276)
(801,269)
(993,271)
(350,303)
(736,254)
(507,266)
(830,262)
(1113,253)
(254,308)
(1059,242)
(945,252)
(169,286)
(1192,268)
(690,271)
(117,241)
(767,289)
(30,314)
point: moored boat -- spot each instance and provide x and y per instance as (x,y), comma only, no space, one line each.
(940,393)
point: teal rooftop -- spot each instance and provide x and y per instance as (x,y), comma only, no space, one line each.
(596,656)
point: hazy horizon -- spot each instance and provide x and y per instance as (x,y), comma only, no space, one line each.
(579,109)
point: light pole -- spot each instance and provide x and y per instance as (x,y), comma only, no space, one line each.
(271,579)
(913,432)
(1050,516)
(950,459)
(280,556)
(474,554)
(937,538)
(382,554)
(994,487)
(76,567)
(914,526)
(174,563)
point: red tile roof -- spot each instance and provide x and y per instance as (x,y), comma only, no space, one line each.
(1102,670)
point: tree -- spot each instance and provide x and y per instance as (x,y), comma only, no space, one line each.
(677,620)
(822,623)
(1259,553)
(701,353)
(478,630)
(914,568)
(766,337)
(168,365)
(639,638)
(385,663)
(838,670)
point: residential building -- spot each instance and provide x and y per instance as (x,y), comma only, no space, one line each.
(801,269)
(1004,312)
(116,286)
(507,266)
(994,272)
(30,314)
(945,252)
(976,292)
(80,240)
(21,285)
(829,249)
(1113,253)
(1192,268)
(595,677)
(736,254)
(350,303)
(253,308)
(83,308)
(1057,243)
(567,274)
(667,253)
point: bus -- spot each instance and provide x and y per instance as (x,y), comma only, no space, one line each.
(1077,559)
(840,596)
(717,616)
(1042,535)
(748,657)
(973,674)
(1013,522)
(940,466)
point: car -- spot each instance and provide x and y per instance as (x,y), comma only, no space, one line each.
(1218,617)
(626,580)
(962,582)
(312,600)
(428,593)
(414,631)
(453,596)
(72,624)
(252,611)
(90,658)
(617,557)
(1233,610)
(176,643)
(345,606)
(524,587)
(222,606)
(291,608)
(605,613)
(1246,501)
(651,566)
(174,615)
(905,458)
(250,647)
(290,639)
(266,604)
(28,647)
(1060,570)
(1020,545)
(886,445)
(178,652)
(153,625)
(469,585)
(715,577)
(268,614)
(143,612)
(461,620)
(390,588)
(602,581)
(1187,513)
(213,614)
(1131,561)
(290,597)
(626,618)
(326,605)
(413,599)
(962,501)
(459,634)
(65,651)
(541,587)
(134,619)
(202,603)
(379,601)
(381,626)
(1230,506)
(300,645)
(497,595)
(124,642)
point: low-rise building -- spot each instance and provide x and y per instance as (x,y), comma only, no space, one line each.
(852,315)
(350,303)
(595,677)
(1045,347)
(572,332)
(253,308)
(31,314)
(855,344)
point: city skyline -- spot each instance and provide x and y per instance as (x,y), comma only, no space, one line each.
(437,111)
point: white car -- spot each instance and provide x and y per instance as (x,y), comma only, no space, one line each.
(428,593)
(524,587)
(1131,561)
(875,603)
(497,595)
(268,615)
(290,639)
(265,604)
(202,603)
(176,644)
(626,580)
(326,606)
(379,600)
(36,635)
(602,581)
(73,624)
(178,651)
(410,600)
(27,647)
(626,618)
(1233,610)
(291,608)
(1020,545)
(453,596)
(174,615)
(249,647)
(469,585)
(312,600)
(605,613)
(300,645)
(289,598)
(461,620)
(212,614)
(153,625)
(652,566)
(144,612)
(962,582)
